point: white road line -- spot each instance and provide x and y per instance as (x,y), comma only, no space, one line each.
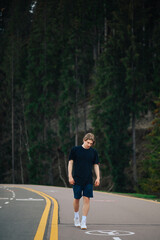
(0,206)
(30,199)
(6,202)
(13,193)
(116,238)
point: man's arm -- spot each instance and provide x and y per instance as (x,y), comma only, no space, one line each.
(97,172)
(70,168)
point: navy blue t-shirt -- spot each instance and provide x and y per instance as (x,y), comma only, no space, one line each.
(84,159)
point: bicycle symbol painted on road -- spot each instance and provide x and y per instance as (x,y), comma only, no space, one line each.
(110,233)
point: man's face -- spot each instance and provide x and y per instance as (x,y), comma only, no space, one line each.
(87,143)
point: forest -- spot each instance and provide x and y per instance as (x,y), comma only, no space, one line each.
(67,63)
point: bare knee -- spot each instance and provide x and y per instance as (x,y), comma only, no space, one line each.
(86,200)
(76,201)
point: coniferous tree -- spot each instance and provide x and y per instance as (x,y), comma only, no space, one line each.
(110,114)
(123,71)
(41,89)
(13,71)
(138,64)
(51,50)
(150,179)
(77,64)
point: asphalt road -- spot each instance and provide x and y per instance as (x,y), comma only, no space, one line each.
(20,213)
(111,217)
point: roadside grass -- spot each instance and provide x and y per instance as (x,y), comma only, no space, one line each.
(138,195)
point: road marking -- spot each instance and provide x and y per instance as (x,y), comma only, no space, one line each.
(30,199)
(43,222)
(13,193)
(116,238)
(6,202)
(54,224)
(113,233)
(42,225)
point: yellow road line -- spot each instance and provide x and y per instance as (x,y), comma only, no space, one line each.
(54,224)
(42,225)
(43,222)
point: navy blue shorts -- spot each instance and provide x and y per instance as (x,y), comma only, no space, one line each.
(86,191)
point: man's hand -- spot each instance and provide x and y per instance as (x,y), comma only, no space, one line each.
(71,181)
(70,167)
(97,172)
(97,182)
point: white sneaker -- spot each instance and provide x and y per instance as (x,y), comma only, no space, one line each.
(83,225)
(77,222)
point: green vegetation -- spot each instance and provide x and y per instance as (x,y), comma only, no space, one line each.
(150,180)
(138,195)
(61,58)
(145,196)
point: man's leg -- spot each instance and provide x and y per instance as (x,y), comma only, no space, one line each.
(85,209)
(76,205)
(76,212)
(77,195)
(86,205)
(87,194)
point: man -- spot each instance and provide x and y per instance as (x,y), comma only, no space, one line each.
(81,160)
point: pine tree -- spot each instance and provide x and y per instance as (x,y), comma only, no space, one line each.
(77,65)
(41,90)
(124,79)
(14,48)
(110,106)
(111,115)
(150,179)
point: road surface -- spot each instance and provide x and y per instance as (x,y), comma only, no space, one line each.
(33,213)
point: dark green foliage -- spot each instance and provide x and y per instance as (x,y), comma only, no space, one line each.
(123,86)
(150,178)
(111,113)
(62,57)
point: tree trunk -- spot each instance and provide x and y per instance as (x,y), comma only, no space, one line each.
(134,149)
(105,24)
(133,113)
(85,117)
(60,172)
(12,118)
(20,146)
(26,133)
(45,71)
(66,164)
(76,101)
